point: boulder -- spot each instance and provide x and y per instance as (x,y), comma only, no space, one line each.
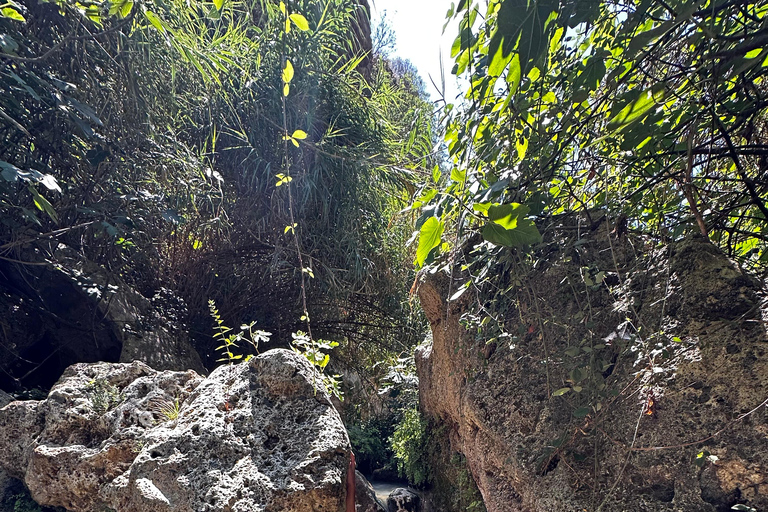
(365,496)
(403,500)
(80,312)
(261,435)
(635,389)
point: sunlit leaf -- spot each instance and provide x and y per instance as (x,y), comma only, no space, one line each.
(458,175)
(430,235)
(300,21)
(637,109)
(521,144)
(155,20)
(126,8)
(42,204)
(507,215)
(514,74)
(287,72)
(508,226)
(11,13)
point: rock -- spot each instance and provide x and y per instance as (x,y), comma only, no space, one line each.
(257,436)
(403,500)
(365,496)
(679,382)
(80,312)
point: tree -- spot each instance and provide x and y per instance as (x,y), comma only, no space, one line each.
(650,110)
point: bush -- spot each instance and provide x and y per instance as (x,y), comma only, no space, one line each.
(409,444)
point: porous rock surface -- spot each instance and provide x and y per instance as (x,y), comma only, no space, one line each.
(257,436)
(682,424)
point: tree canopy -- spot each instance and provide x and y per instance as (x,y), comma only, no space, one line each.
(651,110)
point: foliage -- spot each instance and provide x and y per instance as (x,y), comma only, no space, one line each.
(653,111)
(169,409)
(369,443)
(316,352)
(103,395)
(148,136)
(225,335)
(409,443)
(466,494)
(24,503)
(640,117)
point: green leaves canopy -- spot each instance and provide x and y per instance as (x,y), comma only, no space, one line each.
(644,109)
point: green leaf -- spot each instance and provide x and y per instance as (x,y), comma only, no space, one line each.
(498,62)
(287,72)
(300,21)
(10,12)
(522,148)
(436,174)
(155,20)
(573,351)
(430,235)
(126,8)
(514,75)
(637,109)
(282,179)
(42,204)
(754,53)
(521,27)
(581,412)
(506,215)
(524,233)
(299,134)
(458,175)
(218,4)
(9,45)
(561,391)
(481,207)
(642,39)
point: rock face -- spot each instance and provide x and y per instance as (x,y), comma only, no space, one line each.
(365,496)
(403,500)
(257,436)
(82,313)
(639,388)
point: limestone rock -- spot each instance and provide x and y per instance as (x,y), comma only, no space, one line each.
(83,313)
(681,384)
(403,500)
(257,436)
(365,496)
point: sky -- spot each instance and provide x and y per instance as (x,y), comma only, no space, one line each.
(418,26)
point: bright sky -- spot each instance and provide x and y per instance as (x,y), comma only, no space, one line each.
(418,26)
